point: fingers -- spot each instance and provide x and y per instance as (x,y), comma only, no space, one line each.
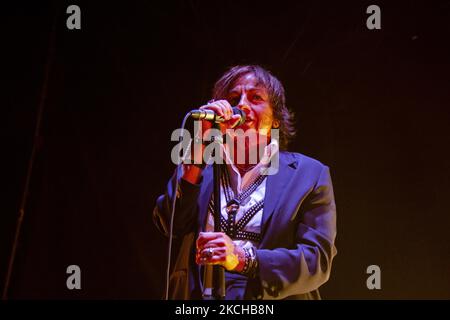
(205,237)
(211,255)
(234,120)
(213,248)
(212,238)
(221,108)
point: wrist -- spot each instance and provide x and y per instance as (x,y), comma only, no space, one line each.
(250,262)
(191,173)
(201,166)
(240,253)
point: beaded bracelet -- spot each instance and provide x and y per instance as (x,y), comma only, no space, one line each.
(251,262)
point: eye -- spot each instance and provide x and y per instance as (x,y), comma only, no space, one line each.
(233,100)
(257,97)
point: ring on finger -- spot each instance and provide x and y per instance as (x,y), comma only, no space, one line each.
(209,252)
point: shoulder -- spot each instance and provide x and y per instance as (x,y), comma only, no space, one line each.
(301,161)
(308,171)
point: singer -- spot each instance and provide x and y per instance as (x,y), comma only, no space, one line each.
(278,231)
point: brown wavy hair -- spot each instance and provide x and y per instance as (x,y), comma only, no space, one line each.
(276,96)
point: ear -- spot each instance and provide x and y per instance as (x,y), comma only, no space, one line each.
(276,124)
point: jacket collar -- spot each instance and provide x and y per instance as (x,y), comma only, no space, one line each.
(274,189)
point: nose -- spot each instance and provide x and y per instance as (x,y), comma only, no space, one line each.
(244,105)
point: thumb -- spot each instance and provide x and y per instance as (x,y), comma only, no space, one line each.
(234,120)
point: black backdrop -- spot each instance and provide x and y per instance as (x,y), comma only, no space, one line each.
(373,105)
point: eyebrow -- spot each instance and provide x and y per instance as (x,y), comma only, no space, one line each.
(258,88)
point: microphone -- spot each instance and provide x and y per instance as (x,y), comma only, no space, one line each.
(211,115)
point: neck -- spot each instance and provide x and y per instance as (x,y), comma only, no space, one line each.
(242,158)
(246,156)
(244,168)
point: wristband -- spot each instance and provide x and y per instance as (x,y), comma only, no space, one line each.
(251,262)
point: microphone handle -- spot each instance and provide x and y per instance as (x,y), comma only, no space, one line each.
(206,115)
(211,115)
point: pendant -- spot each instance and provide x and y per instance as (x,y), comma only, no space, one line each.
(232,206)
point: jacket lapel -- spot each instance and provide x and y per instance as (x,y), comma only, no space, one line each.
(275,186)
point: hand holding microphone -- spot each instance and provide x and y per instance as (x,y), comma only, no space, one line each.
(219,111)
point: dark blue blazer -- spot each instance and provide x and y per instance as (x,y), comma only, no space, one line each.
(297,233)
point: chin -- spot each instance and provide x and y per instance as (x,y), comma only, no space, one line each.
(248,126)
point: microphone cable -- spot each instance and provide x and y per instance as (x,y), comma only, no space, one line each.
(174,199)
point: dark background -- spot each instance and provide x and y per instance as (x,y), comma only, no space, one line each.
(371,104)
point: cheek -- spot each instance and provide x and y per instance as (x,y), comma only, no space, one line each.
(265,119)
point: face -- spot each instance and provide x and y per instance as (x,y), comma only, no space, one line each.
(253,99)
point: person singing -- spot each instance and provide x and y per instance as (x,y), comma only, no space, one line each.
(277,229)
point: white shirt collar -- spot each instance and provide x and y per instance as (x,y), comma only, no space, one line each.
(239,182)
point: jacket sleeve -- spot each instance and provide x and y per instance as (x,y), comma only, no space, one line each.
(185,208)
(286,272)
